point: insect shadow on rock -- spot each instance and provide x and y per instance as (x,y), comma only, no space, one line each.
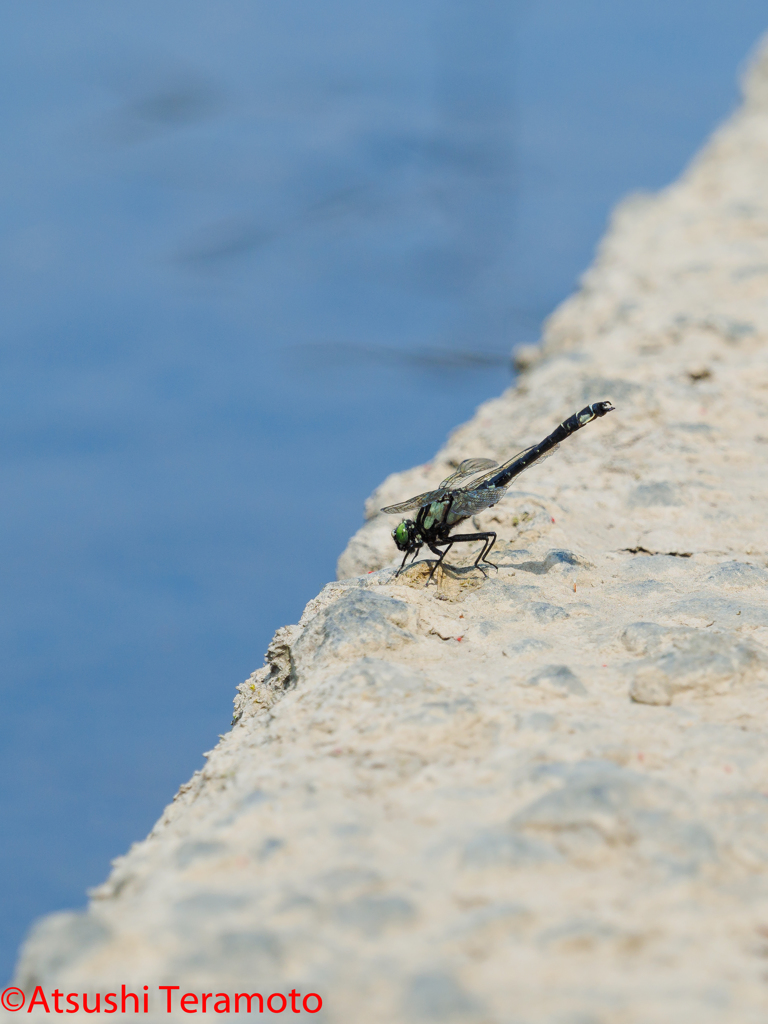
(447,506)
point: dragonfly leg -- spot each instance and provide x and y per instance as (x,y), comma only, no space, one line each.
(483,556)
(441,556)
(402,564)
(405,559)
(489,540)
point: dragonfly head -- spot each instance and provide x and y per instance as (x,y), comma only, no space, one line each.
(406,536)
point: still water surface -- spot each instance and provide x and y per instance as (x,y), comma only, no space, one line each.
(254,257)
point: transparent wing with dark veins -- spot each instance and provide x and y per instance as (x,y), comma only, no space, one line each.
(545,456)
(418,502)
(488,476)
(467,468)
(469,503)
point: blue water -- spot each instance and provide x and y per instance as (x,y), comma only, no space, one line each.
(246,249)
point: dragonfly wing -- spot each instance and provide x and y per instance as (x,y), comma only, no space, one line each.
(541,458)
(492,472)
(469,503)
(489,476)
(466,502)
(418,502)
(467,468)
(545,456)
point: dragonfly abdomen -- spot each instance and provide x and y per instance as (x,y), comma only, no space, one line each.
(566,428)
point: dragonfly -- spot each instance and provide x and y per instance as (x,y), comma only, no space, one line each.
(440,510)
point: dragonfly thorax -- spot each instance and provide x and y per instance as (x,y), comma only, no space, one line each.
(406,536)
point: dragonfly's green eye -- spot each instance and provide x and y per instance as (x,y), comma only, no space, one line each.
(400,533)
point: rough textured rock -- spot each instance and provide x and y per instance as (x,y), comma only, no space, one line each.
(538,797)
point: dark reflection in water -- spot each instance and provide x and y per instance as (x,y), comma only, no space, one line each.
(253,258)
